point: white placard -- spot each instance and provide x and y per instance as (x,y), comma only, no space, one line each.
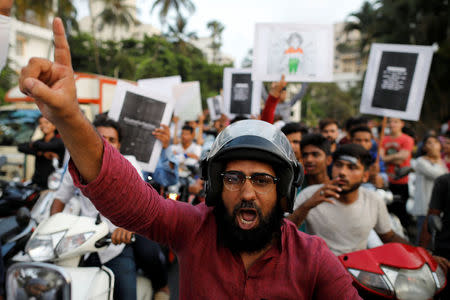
(140,112)
(161,85)
(241,95)
(188,102)
(215,107)
(395,81)
(302,52)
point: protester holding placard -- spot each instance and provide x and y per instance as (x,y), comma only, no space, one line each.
(396,152)
(277,94)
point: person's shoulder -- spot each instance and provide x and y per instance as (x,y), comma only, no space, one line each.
(301,242)
(370,195)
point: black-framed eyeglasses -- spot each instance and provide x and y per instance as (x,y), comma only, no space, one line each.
(261,182)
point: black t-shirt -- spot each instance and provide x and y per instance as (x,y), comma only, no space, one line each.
(440,200)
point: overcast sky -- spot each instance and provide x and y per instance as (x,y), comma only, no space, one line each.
(240,16)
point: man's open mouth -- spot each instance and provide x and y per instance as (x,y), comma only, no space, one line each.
(247,218)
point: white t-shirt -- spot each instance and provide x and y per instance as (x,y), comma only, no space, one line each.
(67,191)
(180,154)
(345,227)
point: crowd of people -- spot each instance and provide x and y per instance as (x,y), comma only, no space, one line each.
(264,201)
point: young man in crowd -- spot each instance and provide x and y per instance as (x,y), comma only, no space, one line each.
(341,211)
(329,128)
(396,151)
(362,135)
(316,158)
(187,152)
(237,248)
(294,132)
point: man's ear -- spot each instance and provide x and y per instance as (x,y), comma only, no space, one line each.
(329,160)
(366,175)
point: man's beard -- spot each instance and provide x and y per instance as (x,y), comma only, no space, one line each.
(238,240)
(352,188)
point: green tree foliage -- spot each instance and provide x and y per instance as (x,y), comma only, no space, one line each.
(154,56)
(7,80)
(116,13)
(421,22)
(216,29)
(175,5)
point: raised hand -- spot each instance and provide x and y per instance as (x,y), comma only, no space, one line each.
(52,84)
(277,88)
(163,134)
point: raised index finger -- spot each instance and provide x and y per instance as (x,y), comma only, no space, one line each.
(62,50)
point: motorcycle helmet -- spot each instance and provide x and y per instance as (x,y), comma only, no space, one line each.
(253,140)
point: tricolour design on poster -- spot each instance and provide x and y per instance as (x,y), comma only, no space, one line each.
(139,112)
(395,81)
(302,52)
(241,95)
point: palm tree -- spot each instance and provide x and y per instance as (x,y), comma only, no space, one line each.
(116,13)
(167,5)
(178,32)
(366,24)
(216,34)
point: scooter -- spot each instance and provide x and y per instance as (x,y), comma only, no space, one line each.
(64,239)
(394,271)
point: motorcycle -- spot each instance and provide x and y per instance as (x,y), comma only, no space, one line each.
(394,271)
(64,240)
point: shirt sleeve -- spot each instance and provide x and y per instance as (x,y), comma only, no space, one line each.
(127,201)
(333,279)
(54,145)
(408,143)
(383,224)
(429,170)
(66,190)
(268,112)
(305,195)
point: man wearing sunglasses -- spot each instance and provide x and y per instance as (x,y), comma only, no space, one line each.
(238,245)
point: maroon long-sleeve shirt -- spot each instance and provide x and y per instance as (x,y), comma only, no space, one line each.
(268,113)
(301,267)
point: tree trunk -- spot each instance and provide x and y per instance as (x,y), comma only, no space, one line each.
(94,43)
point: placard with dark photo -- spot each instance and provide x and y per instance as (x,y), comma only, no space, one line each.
(215,107)
(139,112)
(396,80)
(241,95)
(139,116)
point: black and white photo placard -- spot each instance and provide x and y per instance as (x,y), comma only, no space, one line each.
(241,95)
(395,81)
(215,106)
(139,112)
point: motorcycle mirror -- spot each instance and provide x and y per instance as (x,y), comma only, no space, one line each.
(23,217)
(434,223)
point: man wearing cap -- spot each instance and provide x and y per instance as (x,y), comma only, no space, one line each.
(238,245)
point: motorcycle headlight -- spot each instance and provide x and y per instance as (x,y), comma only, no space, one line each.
(37,281)
(439,278)
(41,247)
(373,281)
(71,242)
(411,284)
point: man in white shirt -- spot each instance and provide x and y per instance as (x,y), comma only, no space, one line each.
(187,152)
(341,212)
